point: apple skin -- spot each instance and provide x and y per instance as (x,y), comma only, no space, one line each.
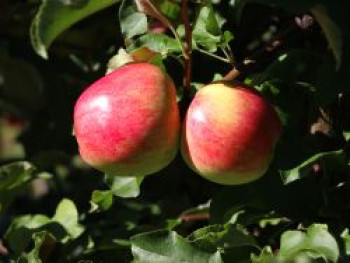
(229,134)
(127,123)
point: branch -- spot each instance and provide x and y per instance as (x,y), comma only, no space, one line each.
(188,46)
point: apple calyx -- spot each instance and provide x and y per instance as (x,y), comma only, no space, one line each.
(143,54)
(120,59)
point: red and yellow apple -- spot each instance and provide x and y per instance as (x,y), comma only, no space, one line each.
(127,123)
(229,134)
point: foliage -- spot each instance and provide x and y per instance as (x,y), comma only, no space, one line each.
(54,208)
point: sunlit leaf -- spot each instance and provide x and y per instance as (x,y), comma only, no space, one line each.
(132,22)
(63,227)
(101,200)
(67,215)
(160,43)
(169,8)
(273,220)
(206,32)
(265,256)
(346,135)
(124,186)
(227,38)
(167,246)
(316,240)
(346,238)
(147,7)
(226,236)
(209,237)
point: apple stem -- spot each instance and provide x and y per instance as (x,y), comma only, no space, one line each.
(188,47)
(232,74)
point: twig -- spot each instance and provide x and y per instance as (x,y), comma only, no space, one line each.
(147,7)
(194,217)
(227,55)
(213,55)
(231,55)
(275,43)
(236,71)
(188,47)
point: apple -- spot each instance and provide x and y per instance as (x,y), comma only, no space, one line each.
(229,133)
(127,122)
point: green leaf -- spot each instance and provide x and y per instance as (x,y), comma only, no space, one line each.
(272,220)
(169,8)
(237,236)
(158,43)
(265,256)
(54,17)
(132,23)
(124,186)
(168,247)
(13,177)
(241,254)
(227,205)
(227,38)
(225,236)
(15,174)
(346,135)
(170,224)
(63,226)
(317,241)
(208,238)
(346,238)
(331,30)
(67,215)
(101,200)
(19,234)
(33,256)
(206,31)
(292,242)
(334,158)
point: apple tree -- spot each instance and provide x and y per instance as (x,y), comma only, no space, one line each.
(174,131)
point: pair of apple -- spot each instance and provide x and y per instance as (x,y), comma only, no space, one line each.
(127,123)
